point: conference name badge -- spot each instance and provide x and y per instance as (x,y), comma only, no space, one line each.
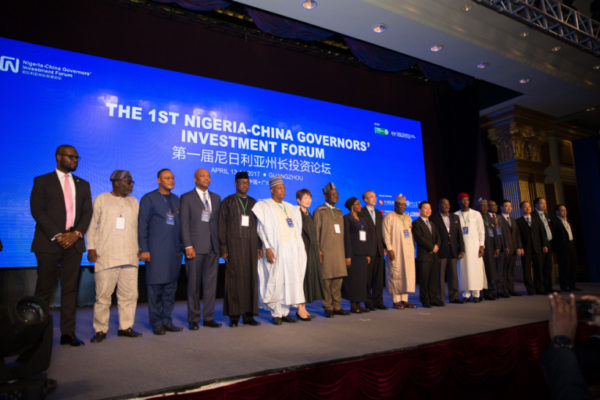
(362,235)
(491,232)
(205,216)
(336,228)
(406,234)
(245,220)
(465,230)
(170,218)
(120,224)
(290,222)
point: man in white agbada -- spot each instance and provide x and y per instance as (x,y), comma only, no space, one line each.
(281,270)
(400,262)
(471,269)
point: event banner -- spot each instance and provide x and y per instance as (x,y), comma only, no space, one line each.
(120,115)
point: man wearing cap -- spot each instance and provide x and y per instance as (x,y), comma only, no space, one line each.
(400,262)
(113,247)
(240,248)
(281,269)
(160,248)
(61,204)
(329,222)
(472,270)
(200,237)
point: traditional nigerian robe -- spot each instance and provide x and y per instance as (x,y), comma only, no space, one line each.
(283,281)
(400,273)
(330,242)
(471,270)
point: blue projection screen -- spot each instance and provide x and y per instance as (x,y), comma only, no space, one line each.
(126,116)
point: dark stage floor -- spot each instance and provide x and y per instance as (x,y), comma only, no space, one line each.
(124,367)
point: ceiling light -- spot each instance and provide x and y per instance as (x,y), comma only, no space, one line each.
(436,48)
(309,4)
(466,7)
(524,34)
(590,109)
(596,67)
(555,49)
(380,28)
(524,81)
(482,65)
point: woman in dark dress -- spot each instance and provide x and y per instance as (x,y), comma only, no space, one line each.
(312,279)
(356,244)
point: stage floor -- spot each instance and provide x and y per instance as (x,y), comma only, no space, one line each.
(123,367)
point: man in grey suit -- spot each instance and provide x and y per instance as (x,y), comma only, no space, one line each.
(200,237)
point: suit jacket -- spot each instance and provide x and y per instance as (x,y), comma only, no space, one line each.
(203,236)
(374,231)
(493,241)
(425,240)
(560,236)
(511,235)
(159,238)
(532,237)
(49,211)
(536,216)
(451,243)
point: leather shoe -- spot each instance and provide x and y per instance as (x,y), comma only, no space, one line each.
(129,332)
(251,321)
(363,309)
(426,305)
(233,323)
(515,293)
(303,319)
(276,321)
(287,318)
(408,305)
(438,303)
(340,312)
(380,307)
(355,308)
(172,328)
(489,297)
(71,340)
(159,330)
(477,299)
(328,313)
(399,306)
(194,326)
(457,301)
(98,337)
(211,324)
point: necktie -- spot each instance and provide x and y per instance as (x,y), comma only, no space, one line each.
(508,220)
(68,193)
(428,225)
(372,212)
(494,218)
(206,203)
(528,219)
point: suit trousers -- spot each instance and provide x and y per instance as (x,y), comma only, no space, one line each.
(201,272)
(546,271)
(508,273)
(161,301)
(125,279)
(499,274)
(449,273)
(66,267)
(375,281)
(567,266)
(532,272)
(332,293)
(429,280)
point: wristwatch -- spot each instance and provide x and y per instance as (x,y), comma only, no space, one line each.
(562,341)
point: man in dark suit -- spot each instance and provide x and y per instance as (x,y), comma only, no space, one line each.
(546,255)
(160,248)
(427,239)
(200,236)
(452,248)
(532,236)
(563,243)
(512,248)
(61,205)
(376,268)
(492,250)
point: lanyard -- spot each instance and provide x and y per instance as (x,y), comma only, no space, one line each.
(333,214)
(402,220)
(244,206)
(167,202)
(283,209)
(464,219)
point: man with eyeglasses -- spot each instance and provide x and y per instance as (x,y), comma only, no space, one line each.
(61,205)
(113,246)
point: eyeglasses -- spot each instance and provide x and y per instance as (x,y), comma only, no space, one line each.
(70,156)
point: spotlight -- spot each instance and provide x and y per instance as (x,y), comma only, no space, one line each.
(380,28)
(483,65)
(524,81)
(309,4)
(436,48)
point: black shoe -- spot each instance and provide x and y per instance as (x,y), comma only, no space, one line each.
(193,326)
(302,319)
(71,340)
(340,312)
(457,301)
(159,330)
(49,386)
(276,321)
(503,295)
(328,313)
(129,332)
(438,303)
(172,328)
(489,297)
(513,293)
(287,318)
(98,337)
(576,289)
(477,299)
(234,320)
(426,305)
(212,324)
(250,321)
(380,307)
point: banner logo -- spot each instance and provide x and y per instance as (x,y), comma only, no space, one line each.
(9,63)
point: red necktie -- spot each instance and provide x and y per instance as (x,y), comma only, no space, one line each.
(68,192)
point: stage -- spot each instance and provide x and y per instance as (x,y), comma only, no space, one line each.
(123,367)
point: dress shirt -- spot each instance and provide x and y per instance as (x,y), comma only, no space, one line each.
(61,179)
(205,197)
(568,228)
(546,226)
(446,219)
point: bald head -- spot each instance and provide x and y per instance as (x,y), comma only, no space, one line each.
(202,179)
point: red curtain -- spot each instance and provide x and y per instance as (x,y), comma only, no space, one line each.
(495,365)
